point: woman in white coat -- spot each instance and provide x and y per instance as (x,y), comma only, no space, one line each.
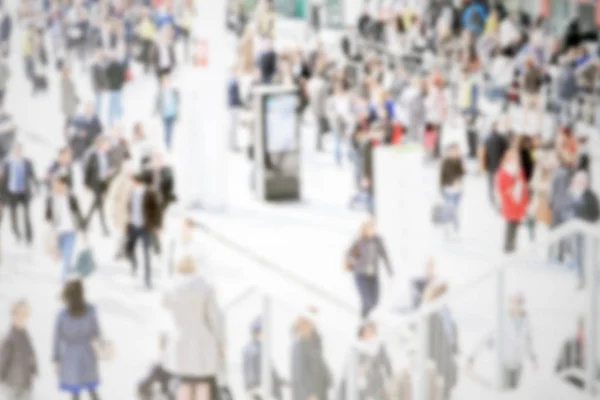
(195,350)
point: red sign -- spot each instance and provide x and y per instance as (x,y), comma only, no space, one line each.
(598,12)
(544,8)
(201,53)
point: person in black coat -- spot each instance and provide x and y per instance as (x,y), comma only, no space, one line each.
(19,184)
(115,80)
(365,23)
(62,168)
(88,128)
(97,177)
(585,207)
(267,63)
(495,147)
(350,45)
(144,221)
(160,178)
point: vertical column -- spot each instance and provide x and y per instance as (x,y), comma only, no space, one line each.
(591,323)
(424,377)
(500,321)
(266,345)
(205,150)
(352,376)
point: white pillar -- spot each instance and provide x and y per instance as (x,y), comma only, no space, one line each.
(266,381)
(205,150)
(591,323)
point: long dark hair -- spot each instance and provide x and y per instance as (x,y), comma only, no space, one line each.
(74,298)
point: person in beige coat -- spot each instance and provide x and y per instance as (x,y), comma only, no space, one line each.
(195,353)
(118,197)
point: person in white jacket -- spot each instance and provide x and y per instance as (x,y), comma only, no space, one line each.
(196,346)
(518,343)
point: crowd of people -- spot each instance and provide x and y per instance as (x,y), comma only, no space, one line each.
(402,76)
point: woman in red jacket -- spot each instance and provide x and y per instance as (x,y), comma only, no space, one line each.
(511,187)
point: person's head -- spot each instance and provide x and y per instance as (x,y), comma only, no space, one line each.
(138,131)
(517,305)
(66,71)
(368,228)
(137,179)
(102,143)
(511,162)
(303,327)
(59,186)
(158,161)
(89,110)
(165,81)
(99,55)
(64,156)
(256,328)
(185,266)
(367,331)
(74,298)
(17,150)
(529,63)
(19,313)
(188,226)
(453,151)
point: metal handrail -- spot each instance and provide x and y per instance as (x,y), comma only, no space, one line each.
(508,261)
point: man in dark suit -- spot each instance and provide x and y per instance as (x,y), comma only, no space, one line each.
(97,177)
(87,129)
(19,183)
(351,45)
(145,220)
(62,168)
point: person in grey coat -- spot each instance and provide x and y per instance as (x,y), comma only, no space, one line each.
(252,366)
(4,77)
(560,202)
(374,367)
(18,365)
(443,339)
(310,377)
(69,100)
(363,259)
(76,334)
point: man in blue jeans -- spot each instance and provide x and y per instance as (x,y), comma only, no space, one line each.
(145,219)
(168,107)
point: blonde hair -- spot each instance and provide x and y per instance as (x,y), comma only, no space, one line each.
(18,306)
(366,226)
(186,265)
(434,291)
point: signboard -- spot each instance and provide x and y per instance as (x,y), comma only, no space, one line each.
(281,122)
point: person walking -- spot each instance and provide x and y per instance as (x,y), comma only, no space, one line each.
(145,220)
(511,186)
(560,200)
(164,52)
(518,343)
(167,106)
(64,216)
(5,74)
(18,361)
(19,185)
(495,147)
(160,178)
(310,375)
(196,350)
(97,177)
(585,208)
(443,339)
(77,333)
(363,260)
(115,79)
(451,183)
(374,367)
(99,79)
(252,357)
(69,97)
(62,168)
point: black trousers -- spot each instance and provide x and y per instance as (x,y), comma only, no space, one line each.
(368,289)
(14,201)
(98,205)
(510,243)
(156,375)
(133,235)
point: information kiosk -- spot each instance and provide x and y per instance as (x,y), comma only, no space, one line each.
(276,143)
